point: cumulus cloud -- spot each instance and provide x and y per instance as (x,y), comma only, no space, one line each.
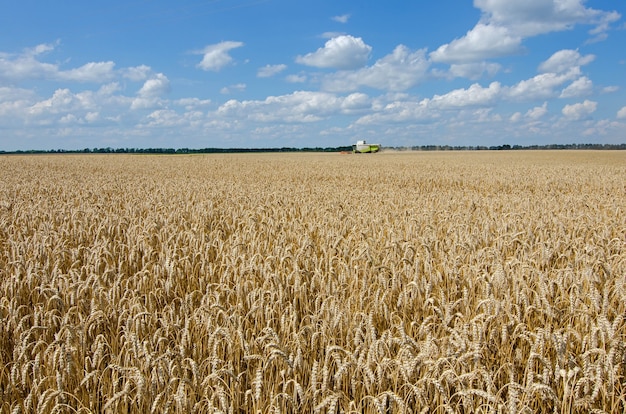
(41,49)
(564,60)
(238,87)
(69,107)
(341,19)
(14,102)
(270,70)
(72,119)
(216,56)
(473,70)
(25,68)
(478,98)
(92,117)
(580,87)
(11,94)
(296,78)
(534,17)
(398,111)
(62,100)
(137,73)
(341,52)
(165,118)
(504,24)
(484,41)
(541,86)
(299,106)
(90,72)
(537,112)
(157,86)
(398,71)
(356,102)
(579,111)
(150,93)
(516,117)
(475,95)
(109,89)
(192,103)
(28,66)
(621,114)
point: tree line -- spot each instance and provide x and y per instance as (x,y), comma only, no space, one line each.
(506,147)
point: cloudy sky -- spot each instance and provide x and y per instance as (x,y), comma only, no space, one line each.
(275,73)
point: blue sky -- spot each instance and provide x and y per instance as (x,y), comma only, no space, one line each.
(284,73)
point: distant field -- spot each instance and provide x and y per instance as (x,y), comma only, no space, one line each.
(395,282)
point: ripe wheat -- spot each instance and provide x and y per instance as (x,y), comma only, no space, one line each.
(400,282)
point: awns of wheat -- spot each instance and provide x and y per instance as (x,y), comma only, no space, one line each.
(417,282)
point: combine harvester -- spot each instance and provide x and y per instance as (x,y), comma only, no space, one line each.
(362,147)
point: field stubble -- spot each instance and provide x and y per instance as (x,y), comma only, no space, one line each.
(407,282)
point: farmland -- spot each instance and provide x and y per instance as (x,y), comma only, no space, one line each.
(397,282)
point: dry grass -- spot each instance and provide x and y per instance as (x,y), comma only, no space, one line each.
(406,282)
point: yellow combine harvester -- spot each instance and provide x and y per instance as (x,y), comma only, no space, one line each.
(362,147)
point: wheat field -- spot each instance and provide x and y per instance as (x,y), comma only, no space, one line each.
(409,282)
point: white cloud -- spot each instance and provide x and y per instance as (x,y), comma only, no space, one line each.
(398,71)
(579,110)
(61,101)
(541,86)
(41,48)
(484,41)
(299,106)
(25,66)
(296,78)
(216,56)
(621,114)
(537,112)
(192,103)
(92,117)
(504,24)
(90,72)
(561,67)
(398,111)
(580,87)
(475,95)
(602,27)
(14,102)
(564,60)
(516,117)
(330,35)
(72,119)
(481,115)
(341,52)
(239,87)
(356,102)
(270,70)
(67,107)
(137,73)
(149,96)
(165,118)
(534,17)
(157,86)
(473,70)
(69,119)
(109,89)
(11,94)
(341,19)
